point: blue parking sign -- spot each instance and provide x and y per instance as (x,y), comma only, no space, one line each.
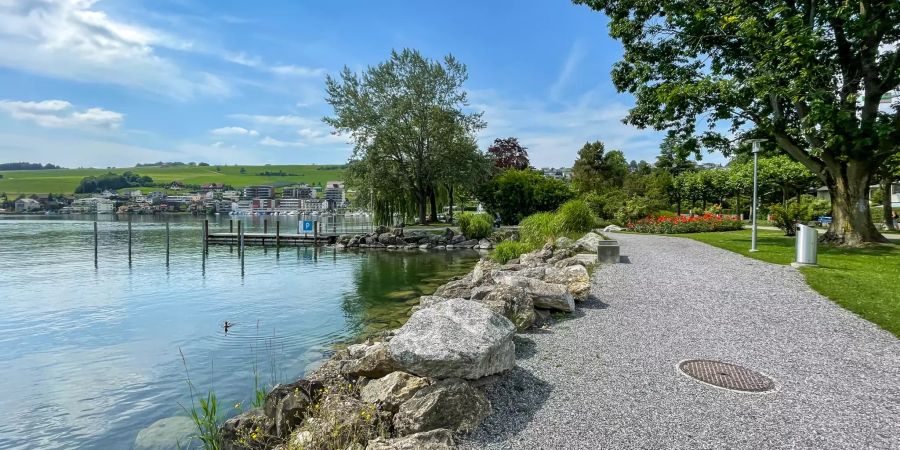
(307,225)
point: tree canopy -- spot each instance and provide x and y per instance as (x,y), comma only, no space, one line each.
(808,75)
(508,154)
(409,123)
(596,170)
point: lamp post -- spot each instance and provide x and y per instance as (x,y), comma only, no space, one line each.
(755,195)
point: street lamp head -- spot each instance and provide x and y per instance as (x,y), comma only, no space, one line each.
(755,143)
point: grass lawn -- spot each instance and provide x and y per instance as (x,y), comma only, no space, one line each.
(865,280)
(64,181)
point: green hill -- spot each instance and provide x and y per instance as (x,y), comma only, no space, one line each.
(64,181)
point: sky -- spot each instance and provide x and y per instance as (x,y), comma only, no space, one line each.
(112,83)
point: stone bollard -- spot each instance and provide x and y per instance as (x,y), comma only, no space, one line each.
(608,252)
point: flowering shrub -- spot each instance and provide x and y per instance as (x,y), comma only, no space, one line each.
(696,224)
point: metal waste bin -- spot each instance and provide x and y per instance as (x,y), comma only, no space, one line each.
(807,245)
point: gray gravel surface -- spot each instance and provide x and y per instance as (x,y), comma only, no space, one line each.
(607,378)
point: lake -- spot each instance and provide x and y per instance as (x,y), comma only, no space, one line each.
(90,356)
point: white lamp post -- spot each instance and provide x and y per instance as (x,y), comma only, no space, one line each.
(755,195)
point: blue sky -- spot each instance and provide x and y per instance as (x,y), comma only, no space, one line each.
(114,83)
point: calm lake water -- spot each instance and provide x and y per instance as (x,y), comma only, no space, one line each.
(89,357)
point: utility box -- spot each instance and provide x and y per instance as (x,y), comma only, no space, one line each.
(608,252)
(807,246)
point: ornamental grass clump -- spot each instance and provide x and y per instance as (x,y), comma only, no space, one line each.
(537,229)
(676,225)
(475,226)
(574,216)
(509,250)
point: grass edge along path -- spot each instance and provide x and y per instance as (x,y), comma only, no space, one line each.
(865,281)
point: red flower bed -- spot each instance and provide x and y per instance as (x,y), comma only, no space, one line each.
(682,224)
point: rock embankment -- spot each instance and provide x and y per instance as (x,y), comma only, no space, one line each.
(398,239)
(418,386)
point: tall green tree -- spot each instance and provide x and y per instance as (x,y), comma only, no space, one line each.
(597,170)
(810,75)
(402,115)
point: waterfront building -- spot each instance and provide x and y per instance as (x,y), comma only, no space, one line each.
(334,194)
(27,205)
(313,204)
(213,187)
(231,195)
(252,192)
(299,192)
(91,205)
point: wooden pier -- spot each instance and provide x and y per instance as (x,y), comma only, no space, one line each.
(270,239)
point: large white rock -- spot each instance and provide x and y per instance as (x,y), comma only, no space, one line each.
(545,295)
(392,390)
(588,243)
(454,338)
(166,433)
(575,278)
(450,404)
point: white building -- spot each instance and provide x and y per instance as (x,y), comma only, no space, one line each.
(91,205)
(334,194)
(27,205)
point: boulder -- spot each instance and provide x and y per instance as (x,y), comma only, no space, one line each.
(575,278)
(588,243)
(165,434)
(457,239)
(545,295)
(454,339)
(560,254)
(452,404)
(512,302)
(426,246)
(584,260)
(387,238)
(461,288)
(440,439)
(563,242)
(468,243)
(340,421)
(482,273)
(392,390)
(287,404)
(370,361)
(485,244)
(535,259)
(252,428)
(612,228)
(353,242)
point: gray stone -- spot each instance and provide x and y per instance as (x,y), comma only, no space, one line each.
(511,302)
(612,228)
(468,243)
(461,288)
(392,390)
(483,270)
(455,338)
(588,243)
(165,434)
(370,361)
(239,428)
(485,244)
(440,439)
(458,239)
(545,295)
(426,246)
(286,404)
(563,242)
(575,278)
(452,404)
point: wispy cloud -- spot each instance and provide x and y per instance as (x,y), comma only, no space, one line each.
(257,62)
(576,54)
(272,142)
(61,114)
(234,131)
(73,40)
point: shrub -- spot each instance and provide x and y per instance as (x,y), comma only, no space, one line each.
(508,250)
(515,194)
(475,226)
(537,229)
(634,208)
(574,216)
(674,225)
(787,217)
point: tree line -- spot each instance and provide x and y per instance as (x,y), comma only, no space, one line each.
(27,166)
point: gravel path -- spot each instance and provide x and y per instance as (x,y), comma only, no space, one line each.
(608,377)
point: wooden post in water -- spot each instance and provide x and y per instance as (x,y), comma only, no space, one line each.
(277,235)
(315,233)
(240,241)
(129,241)
(95,244)
(265,226)
(205,236)
(167,242)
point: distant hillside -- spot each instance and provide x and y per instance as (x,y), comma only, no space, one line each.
(27,166)
(64,181)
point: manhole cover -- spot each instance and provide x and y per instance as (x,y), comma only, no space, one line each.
(727,376)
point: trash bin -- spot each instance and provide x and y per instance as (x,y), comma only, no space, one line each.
(807,245)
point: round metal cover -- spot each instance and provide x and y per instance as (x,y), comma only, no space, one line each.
(726,376)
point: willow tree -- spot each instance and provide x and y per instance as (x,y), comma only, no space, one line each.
(402,115)
(809,74)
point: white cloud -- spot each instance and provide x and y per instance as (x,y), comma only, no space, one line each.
(234,131)
(71,39)
(60,114)
(256,62)
(554,133)
(277,121)
(272,142)
(576,54)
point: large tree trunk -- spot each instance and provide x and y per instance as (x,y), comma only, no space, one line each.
(886,183)
(848,184)
(422,200)
(450,189)
(432,197)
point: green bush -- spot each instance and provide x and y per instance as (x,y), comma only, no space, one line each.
(508,250)
(537,229)
(633,209)
(515,194)
(574,216)
(475,226)
(787,217)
